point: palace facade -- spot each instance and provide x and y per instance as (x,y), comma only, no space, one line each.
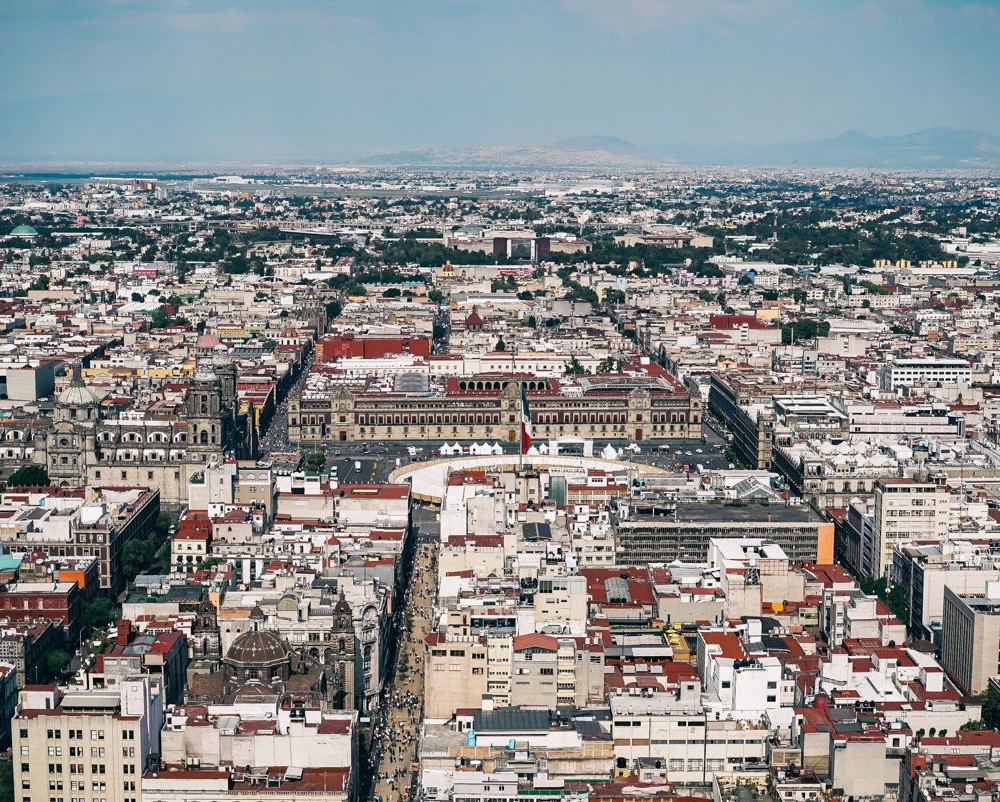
(488,407)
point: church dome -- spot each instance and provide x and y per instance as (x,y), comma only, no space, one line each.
(258,648)
(77,394)
(24,231)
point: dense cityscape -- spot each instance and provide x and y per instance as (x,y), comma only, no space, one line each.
(385,484)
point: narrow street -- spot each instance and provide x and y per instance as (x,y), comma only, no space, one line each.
(396,732)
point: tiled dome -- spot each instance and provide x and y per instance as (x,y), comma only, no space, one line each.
(258,648)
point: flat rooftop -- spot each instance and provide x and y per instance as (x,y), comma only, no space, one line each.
(725,513)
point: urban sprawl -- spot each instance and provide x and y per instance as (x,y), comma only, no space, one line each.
(372,485)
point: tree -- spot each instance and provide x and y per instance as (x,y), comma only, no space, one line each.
(57,661)
(805,329)
(532,322)
(29,476)
(613,297)
(96,613)
(392,292)
(160,318)
(575,368)
(6,779)
(137,554)
(991,707)
(526,295)
(500,346)
(162,526)
(137,297)
(435,296)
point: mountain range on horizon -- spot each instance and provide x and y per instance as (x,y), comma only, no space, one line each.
(931,148)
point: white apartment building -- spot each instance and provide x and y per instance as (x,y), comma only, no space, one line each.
(906,510)
(692,743)
(923,372)
(87,746)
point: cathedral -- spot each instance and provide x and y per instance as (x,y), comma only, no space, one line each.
(134,448)
(260,664)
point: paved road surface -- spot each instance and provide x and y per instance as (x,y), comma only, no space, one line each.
(396,734)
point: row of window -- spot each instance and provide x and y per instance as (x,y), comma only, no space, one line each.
(77,735)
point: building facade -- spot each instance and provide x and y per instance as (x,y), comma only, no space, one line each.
(906,510)
(970,633)
(83,444)
(488,408)
(91,746)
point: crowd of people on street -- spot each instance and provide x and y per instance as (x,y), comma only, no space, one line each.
(396,722)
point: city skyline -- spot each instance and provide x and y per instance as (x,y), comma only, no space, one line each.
(177,81)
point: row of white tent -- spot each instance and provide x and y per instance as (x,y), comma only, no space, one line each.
(476,449)
(486,450)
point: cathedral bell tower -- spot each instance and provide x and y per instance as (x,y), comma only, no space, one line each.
(206,420)
(340,657)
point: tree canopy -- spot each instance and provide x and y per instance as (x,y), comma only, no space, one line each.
(29,476)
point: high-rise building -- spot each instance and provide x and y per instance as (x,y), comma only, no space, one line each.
(905,510)
(88,746)
(970,637)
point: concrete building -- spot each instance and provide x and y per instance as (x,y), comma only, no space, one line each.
(86,745)
(457,671)
(664,530)
(906,510)
(970,634)
(26,646)
(691,743)
(925,372)
(83,522)
(8,700)
(924,570)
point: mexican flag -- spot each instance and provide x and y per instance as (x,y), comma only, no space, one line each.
(525,420)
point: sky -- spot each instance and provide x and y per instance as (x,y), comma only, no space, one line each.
(327,80)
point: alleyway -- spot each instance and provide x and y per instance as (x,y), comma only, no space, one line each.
(396,730)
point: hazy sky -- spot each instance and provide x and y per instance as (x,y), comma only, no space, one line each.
(303,80)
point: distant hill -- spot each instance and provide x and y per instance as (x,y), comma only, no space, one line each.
(932,148)
(579,151)
(944,148)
